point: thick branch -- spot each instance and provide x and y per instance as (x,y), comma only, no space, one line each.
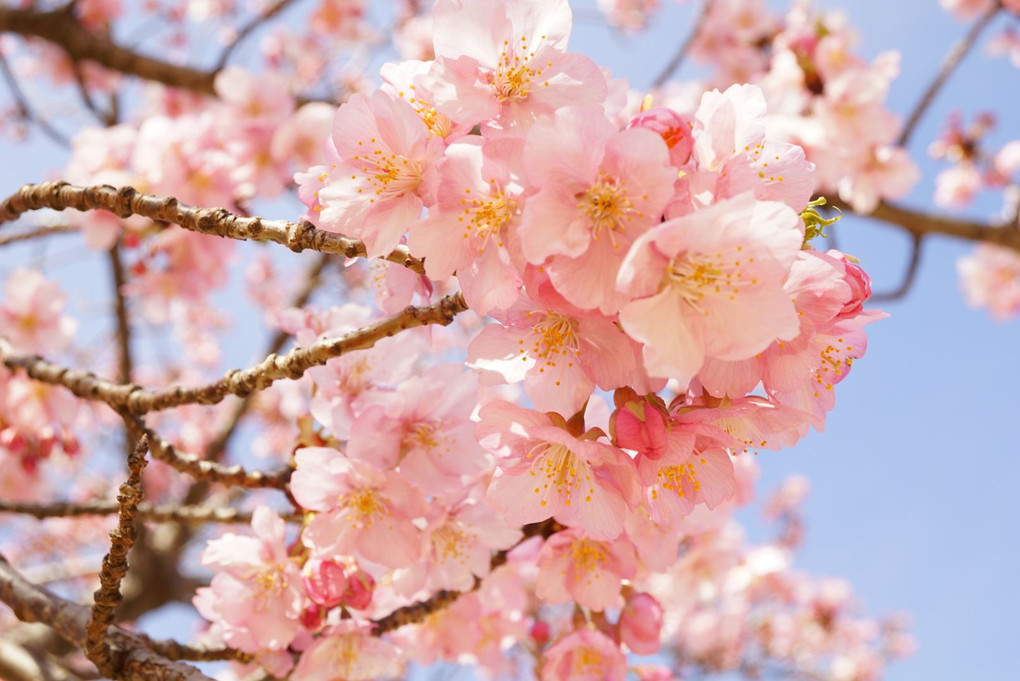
(62,28)
(115,565)
(133,399)
(917,222)
(136,661)
(164,513)
(126,201)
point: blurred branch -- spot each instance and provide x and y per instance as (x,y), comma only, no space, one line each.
(219,443)
(133,399)
(685,47)
(115,565)
(18,663)
(908,276)
(25,108)
(133,658)
(166,513)
(248,29)
(44,231)
(126,201)
(124,363)
(63,29)
(917,222)
(956,54)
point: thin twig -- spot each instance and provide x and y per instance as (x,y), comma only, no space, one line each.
(214,450)
(956,54)
(44,231)
(124,362)
(417,612)
(166,513)
(908,277)
(685,47)
(126,201)
(133,399)
(248,29)
(115,565)
(26,108)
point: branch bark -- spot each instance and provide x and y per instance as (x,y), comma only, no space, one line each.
(135,400)
(126,201)
(135,660)
(163,513)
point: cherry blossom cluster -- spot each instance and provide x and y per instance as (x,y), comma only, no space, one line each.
(658,258)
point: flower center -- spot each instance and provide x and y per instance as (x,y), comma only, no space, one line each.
(363,506)
(561,469)
(608,206)
(487,217)
(389,173)
(513,76)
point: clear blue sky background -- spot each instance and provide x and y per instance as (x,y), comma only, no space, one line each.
(914,497)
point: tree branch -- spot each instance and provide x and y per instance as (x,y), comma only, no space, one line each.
(26,108)
(685,47)
(133,399)
(949,64)
(135,660)
(917,222)
(164,513)
(219,443)
(248,29)
(63,29)
(126,201)
(200,469)
(417,612)
(908,277)
(38,232)
(115,565)
(124,363)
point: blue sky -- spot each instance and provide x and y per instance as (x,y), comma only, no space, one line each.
(913,480)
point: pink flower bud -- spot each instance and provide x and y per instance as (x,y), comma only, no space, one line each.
(860,287)
(325,582)
(540,632)
(641,624)
(674,129)
(653,672)
(12,441)
(313,616)
(360,587)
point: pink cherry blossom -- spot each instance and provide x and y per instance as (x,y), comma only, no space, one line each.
(256,597)
(32,315)
(363,511)
(711,285)
(573,567)
(990,278)
(641,623)
(386,174)
(505,62)
(348,651)
(600,189)
(545,471)
(584,655)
